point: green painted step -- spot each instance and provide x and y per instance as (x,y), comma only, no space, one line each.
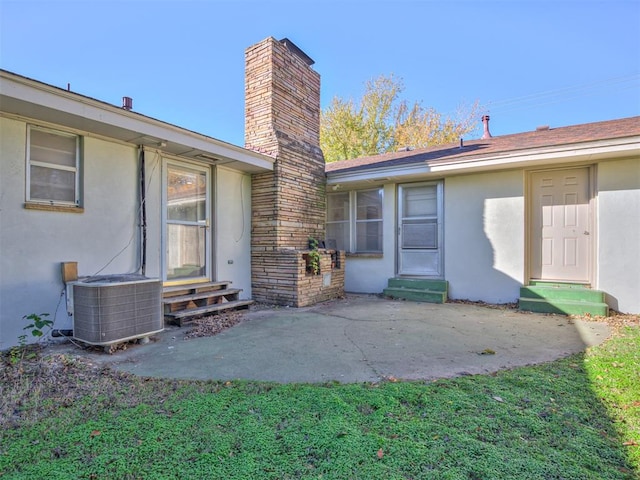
(546,283)
(418,290)
(416,295)
(419,284)
(563,298)
(566,307)
(562,293)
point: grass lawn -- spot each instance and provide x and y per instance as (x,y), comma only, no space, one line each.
(576,418)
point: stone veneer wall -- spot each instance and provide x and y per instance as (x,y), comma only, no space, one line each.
(289,283)
(282,119)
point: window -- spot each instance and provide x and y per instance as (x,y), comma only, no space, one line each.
(52,173)
(338,221)
(419,217)
(354,221)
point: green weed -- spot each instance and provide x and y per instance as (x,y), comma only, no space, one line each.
(575,418)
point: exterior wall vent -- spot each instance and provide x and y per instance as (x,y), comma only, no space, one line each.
(127,103)
(116,308)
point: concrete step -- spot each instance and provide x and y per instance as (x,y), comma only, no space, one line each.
(559,293)
(419,284)
(417,295)
(547,283)
(563,298)
(564,307)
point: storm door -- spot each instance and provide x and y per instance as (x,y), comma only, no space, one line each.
(187,240)
(420,239)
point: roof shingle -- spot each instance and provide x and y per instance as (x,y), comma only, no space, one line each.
(472,149)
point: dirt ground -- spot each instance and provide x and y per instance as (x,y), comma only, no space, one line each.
(63,377)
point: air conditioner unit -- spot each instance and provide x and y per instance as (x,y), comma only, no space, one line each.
(116,308)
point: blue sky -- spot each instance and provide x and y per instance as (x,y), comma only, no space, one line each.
(529,63)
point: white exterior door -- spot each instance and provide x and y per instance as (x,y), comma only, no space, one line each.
(187,240)
(561,225)
(420,230)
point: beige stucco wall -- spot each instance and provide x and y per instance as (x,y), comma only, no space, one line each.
(484,236)
(232,232)
(33,243)
(618,204)
(104,238)
(483,240)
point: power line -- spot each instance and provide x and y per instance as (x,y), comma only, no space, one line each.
(547,97)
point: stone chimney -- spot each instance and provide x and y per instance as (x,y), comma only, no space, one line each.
(485,123)
(282,119)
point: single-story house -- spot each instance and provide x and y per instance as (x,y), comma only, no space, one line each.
(538,217)
(93,193)
(111,220)
(112,191)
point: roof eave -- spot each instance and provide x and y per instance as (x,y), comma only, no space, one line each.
(570,153)
(577,152)
(41,102)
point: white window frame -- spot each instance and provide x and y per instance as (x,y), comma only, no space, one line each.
(170,162)
(74,169)
(352,222)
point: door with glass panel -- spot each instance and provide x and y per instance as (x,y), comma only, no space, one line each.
(420,230)
(187,238)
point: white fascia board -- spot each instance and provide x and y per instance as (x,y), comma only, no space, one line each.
(37,93)
(599,150)
(578,152)
(381,175)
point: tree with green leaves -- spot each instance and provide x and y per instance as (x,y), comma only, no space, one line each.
(381,122)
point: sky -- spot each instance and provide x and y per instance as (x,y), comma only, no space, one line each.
(526,62)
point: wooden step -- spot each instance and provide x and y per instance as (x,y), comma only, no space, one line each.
(199,296)
(182,317)
(186,302)
(194,288)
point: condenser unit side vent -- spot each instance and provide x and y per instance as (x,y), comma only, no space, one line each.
(116,309)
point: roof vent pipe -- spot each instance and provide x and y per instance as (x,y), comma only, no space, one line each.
(127,103)
(485,122)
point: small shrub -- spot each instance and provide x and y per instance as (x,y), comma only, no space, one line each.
(37,328)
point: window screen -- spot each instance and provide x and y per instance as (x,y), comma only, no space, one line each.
(354,221)
(53,166)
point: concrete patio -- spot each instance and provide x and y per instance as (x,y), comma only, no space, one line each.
(361,338)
